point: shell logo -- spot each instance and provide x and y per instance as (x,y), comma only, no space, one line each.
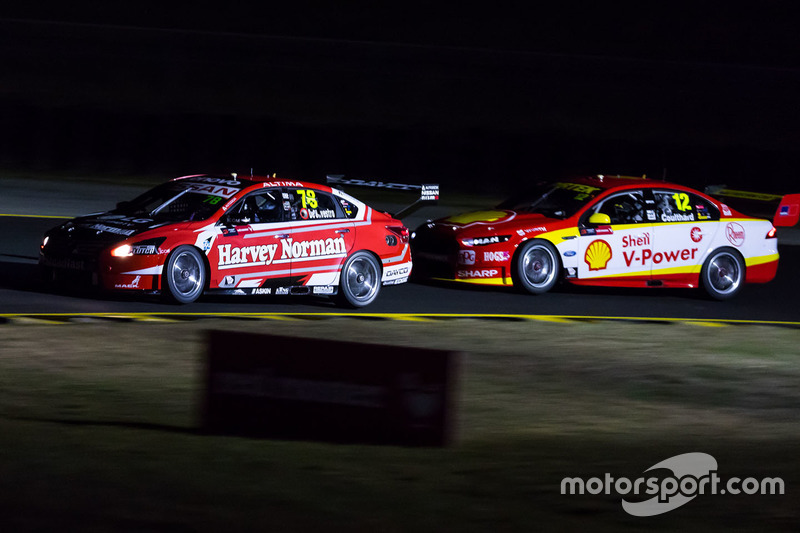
(598,254)
(477,216)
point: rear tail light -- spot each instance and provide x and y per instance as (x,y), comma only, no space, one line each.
(400,231)
(772,233)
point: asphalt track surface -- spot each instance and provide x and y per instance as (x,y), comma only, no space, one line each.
(21,292)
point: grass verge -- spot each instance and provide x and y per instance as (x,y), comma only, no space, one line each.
(98,430)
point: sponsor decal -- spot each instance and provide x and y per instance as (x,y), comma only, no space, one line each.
(726,210)
(212,190)
(323,289)
(109,229)
(570,253)
(261,290)
(696,234)
(735,233)
(144,249)
(537,229)
(396,272)
(577,187)
(264,254)
(466,257)
(313,214)
(677,217)
(304,214)
(246,255)
(651,214)
(430,192)
(207,245)
(228,204)
(636,240)
(670,256)
(600,230)
(281,184)
(496,256)
(485,273)
(282,291)
(291,249)
(485,241)
(597,255)
(132,285)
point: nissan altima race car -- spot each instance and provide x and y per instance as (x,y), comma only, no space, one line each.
(230,235)
(600,230)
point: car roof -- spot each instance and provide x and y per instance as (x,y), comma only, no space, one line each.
(249,181)
(607,181)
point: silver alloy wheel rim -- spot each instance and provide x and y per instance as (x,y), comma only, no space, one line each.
(362,278)
(186,274)
(724,273)
(537,266)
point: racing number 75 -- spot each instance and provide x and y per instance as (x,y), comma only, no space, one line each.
(681,201)
(309,198)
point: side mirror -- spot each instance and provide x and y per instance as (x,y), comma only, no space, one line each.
(600,219)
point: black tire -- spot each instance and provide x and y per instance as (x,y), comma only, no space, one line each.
(360,280)
(722,275)
(184,276)
(536,267)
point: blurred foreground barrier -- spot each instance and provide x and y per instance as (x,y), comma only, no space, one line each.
(298,388)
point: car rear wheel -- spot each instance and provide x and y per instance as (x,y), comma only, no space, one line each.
(360,280)
(184,276)
(536,267)
(723,274)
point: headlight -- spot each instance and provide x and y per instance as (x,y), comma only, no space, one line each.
(148,247)
(122,251)
(45,241)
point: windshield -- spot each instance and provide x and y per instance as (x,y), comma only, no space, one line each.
(555,200)
(177,202)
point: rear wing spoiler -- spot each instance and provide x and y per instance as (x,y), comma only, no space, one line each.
(428,192)
(783,210)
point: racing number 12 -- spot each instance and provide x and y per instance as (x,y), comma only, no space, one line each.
(309,198)
(681,201)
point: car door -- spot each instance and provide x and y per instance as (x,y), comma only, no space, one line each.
(686,225)
(321,238)
(617,244)
(246,252)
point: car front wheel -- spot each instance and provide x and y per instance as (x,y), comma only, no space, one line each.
(723,274)
(536,267)
(360,280)
(184,276)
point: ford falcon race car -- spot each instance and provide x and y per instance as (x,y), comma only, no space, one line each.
(601,230)
(230,235)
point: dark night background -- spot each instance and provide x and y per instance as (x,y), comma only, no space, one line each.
(482,98)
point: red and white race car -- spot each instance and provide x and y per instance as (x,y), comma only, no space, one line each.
(601,230)
(231,235)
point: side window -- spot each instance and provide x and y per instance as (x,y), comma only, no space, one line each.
(350,210)
(311,204)
(680,206)
(625,208)
(258,208)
